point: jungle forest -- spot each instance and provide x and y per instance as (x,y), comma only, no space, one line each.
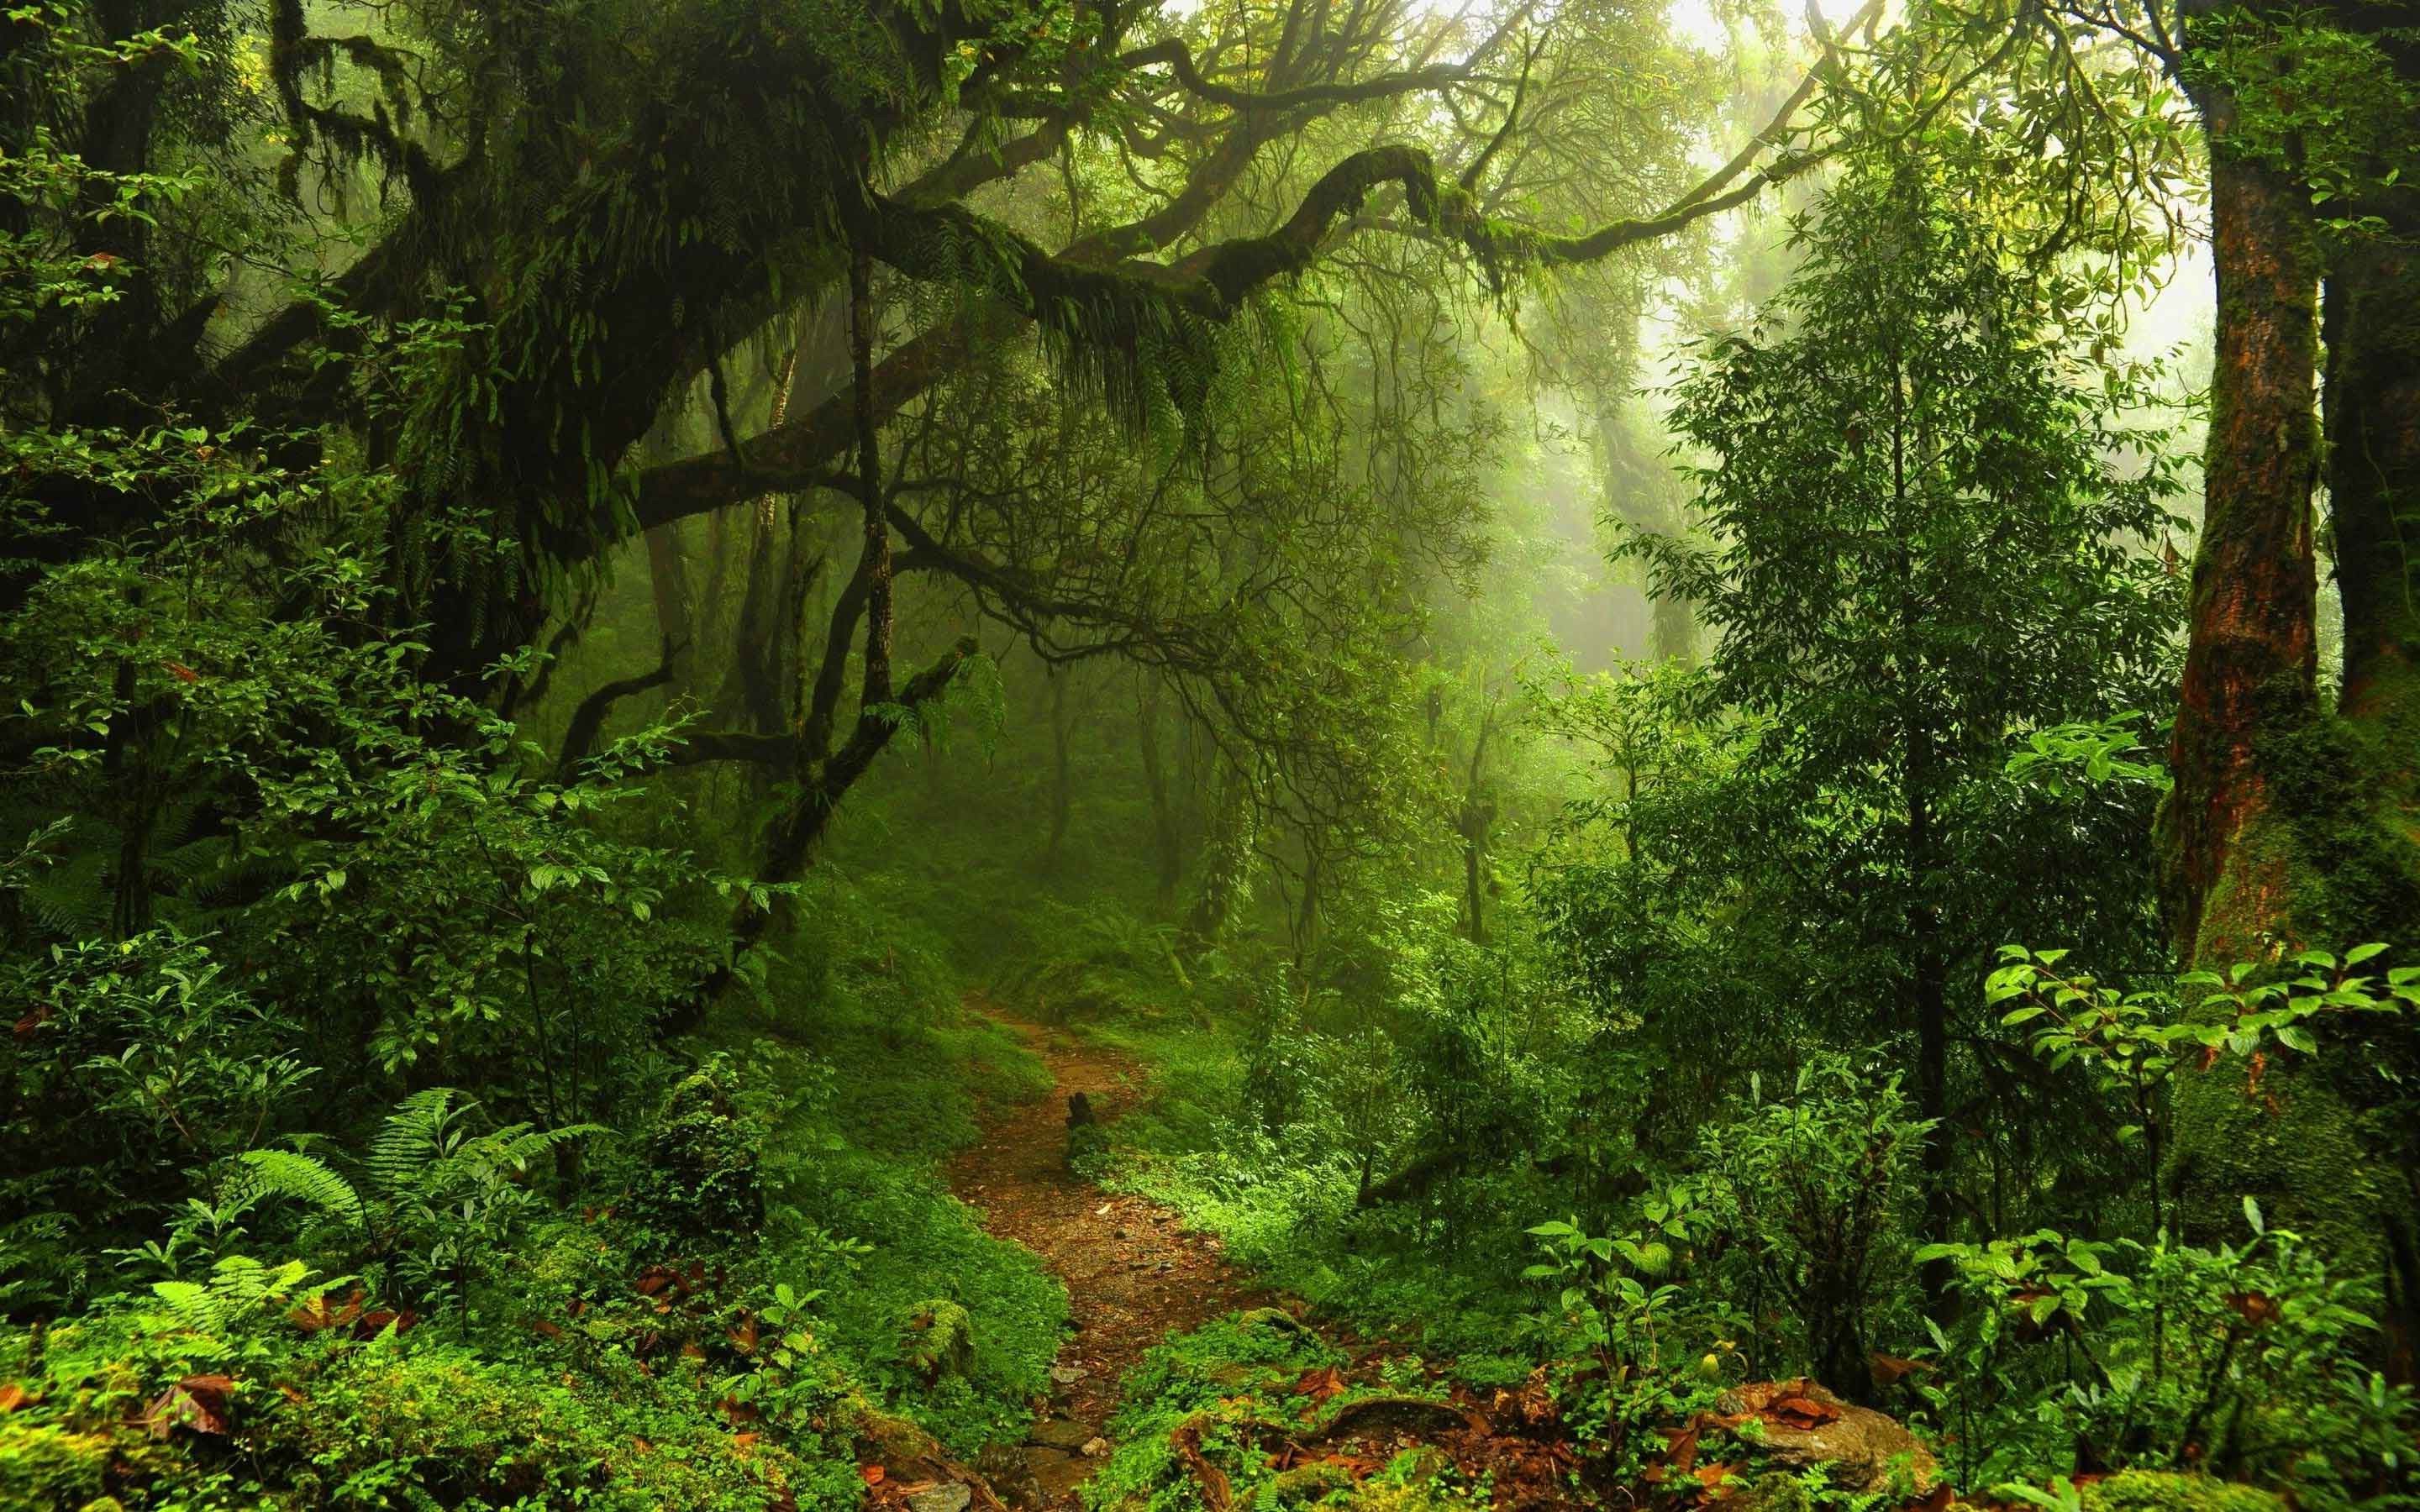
(1210,755)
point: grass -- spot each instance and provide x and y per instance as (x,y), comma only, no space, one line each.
(879,1075)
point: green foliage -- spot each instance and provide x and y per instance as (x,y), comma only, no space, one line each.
(1207,1381)
(699,1177)
(2240,1358)
(1814,1196)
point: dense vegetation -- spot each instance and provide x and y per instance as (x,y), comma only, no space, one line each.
(1727,780)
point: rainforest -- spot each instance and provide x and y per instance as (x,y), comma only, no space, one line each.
(1210,755)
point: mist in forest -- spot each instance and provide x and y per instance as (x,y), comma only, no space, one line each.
(1399,755)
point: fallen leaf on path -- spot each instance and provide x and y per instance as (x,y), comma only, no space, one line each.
(1320,1385)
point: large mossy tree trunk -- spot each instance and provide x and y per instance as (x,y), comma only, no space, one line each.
(2289,825)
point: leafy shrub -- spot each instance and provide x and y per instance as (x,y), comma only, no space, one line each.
(701,1177)
(1810,1197)
(2241,1360)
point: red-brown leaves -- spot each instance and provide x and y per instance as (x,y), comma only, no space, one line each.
(318,1315)
(198,1403)
(1799,1412)
(1216,1494)
(1319,1385)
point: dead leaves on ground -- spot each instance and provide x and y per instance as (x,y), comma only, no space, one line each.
(198,1403)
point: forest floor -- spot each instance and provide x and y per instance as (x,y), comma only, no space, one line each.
(1135,1278)
(1133,1274)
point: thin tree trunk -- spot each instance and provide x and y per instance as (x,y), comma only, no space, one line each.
(1167,844)
(1062,783)
(668,581)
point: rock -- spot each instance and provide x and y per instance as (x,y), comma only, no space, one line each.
(1067,1375)
(1095,1448)
(950,1496)
(1308,1483)
(1410,1414)
(1012,1479)
(1275,1318)
(2154,1491)
(1805,1426)
(1060,1434)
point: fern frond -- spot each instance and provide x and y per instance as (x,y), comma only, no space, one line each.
(414,1136)
(519,1146)
(284,1173)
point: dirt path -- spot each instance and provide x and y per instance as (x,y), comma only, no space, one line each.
(1132,1276)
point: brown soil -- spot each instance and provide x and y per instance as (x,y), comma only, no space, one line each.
(1133,1275)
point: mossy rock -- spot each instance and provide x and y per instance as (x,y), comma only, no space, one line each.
(2154,1491)
(1277,1318)
(1305,1484)
(1393,1496)
(944,1344)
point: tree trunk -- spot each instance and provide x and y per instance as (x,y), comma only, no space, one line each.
(2365,866)
(1062,798)
(1630,482)
(1168,845)
(2284,828)
(668,579)
(2251,656)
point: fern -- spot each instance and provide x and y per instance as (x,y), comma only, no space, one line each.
(239,1288)
(519,1146)
(423,1129)
(284,1173)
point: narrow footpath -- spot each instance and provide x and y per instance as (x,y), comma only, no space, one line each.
(1133,1276)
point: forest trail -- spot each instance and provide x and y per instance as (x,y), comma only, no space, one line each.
(1133,1274)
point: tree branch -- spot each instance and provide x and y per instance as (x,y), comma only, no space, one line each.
(588,719)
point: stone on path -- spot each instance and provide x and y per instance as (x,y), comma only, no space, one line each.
(1060,1434)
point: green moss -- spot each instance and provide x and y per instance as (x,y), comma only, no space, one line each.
(49,1465)
(2148,1491)
(2330,864)
(1304,1482)
(701,1176)
(945,1341)
(2298,1149)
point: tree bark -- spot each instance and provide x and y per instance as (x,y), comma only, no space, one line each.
(2285,827)
(2252,648)
(1062,798)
